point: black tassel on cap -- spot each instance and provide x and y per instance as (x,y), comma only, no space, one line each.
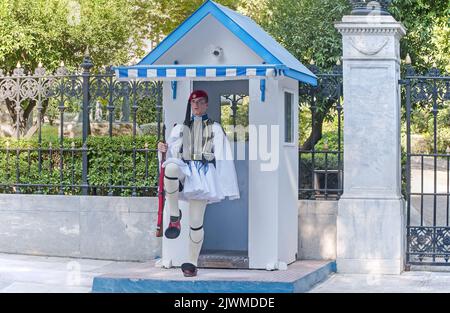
(187,119)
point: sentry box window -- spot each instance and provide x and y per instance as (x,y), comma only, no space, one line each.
(288,117)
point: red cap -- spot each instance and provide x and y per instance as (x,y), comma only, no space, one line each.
(198,94)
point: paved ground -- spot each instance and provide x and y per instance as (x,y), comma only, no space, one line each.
(408,282)
(20,273)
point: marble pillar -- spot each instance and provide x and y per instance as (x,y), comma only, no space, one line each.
(371,212)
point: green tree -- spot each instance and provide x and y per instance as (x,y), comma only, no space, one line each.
(257,10)
(428,31)
(164,16)
(306,29)
(51,31)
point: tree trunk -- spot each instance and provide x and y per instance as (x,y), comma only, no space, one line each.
(23,115)
(316,132)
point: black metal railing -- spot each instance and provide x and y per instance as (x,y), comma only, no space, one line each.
(427,166)
(321,150)
(44,152)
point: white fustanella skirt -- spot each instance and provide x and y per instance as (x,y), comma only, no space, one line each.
(200,181)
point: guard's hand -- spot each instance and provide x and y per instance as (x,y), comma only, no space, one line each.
(162,147)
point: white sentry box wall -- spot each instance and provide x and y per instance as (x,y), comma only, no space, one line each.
(273,195)
(273,192)
(272,198)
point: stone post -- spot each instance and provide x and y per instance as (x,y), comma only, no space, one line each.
(371,214)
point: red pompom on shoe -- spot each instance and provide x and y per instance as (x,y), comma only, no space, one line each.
(174,229)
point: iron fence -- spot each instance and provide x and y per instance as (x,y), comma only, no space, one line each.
(44,152)
(321,151)
(116,155)
(427,166)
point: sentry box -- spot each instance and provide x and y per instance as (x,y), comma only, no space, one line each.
(251,81)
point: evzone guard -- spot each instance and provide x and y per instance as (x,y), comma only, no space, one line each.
(199,169)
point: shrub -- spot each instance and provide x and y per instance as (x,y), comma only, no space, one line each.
(110,163)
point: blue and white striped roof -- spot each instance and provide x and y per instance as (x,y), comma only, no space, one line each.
(198,72)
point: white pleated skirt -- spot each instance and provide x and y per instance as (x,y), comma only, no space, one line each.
(200,181)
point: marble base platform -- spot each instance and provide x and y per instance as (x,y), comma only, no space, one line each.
(300,276)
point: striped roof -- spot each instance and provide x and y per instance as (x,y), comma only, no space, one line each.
(197,72)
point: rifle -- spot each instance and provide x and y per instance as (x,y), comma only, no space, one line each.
(161,193)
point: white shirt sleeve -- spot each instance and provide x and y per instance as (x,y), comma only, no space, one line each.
(174,141)
(225,169)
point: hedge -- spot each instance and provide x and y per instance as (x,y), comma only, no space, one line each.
(110,162)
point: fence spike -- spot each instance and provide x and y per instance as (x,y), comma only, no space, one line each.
(408,59)
(39,71)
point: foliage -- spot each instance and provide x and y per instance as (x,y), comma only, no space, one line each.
(147,112)
(422,123)
(304,123)
(329,141)
(241,113)
(51,31)
(48,133)
(322,162)
(306,28)
(428,31)
(258,10)
(110,163)
(164,16)
(117,32)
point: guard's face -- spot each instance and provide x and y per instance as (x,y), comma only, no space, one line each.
(199,106)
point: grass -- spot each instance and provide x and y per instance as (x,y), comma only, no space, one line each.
(49,132)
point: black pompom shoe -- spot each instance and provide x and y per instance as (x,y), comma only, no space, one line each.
(189,269)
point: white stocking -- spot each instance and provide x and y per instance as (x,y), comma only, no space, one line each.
(171,187)
(196,232)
